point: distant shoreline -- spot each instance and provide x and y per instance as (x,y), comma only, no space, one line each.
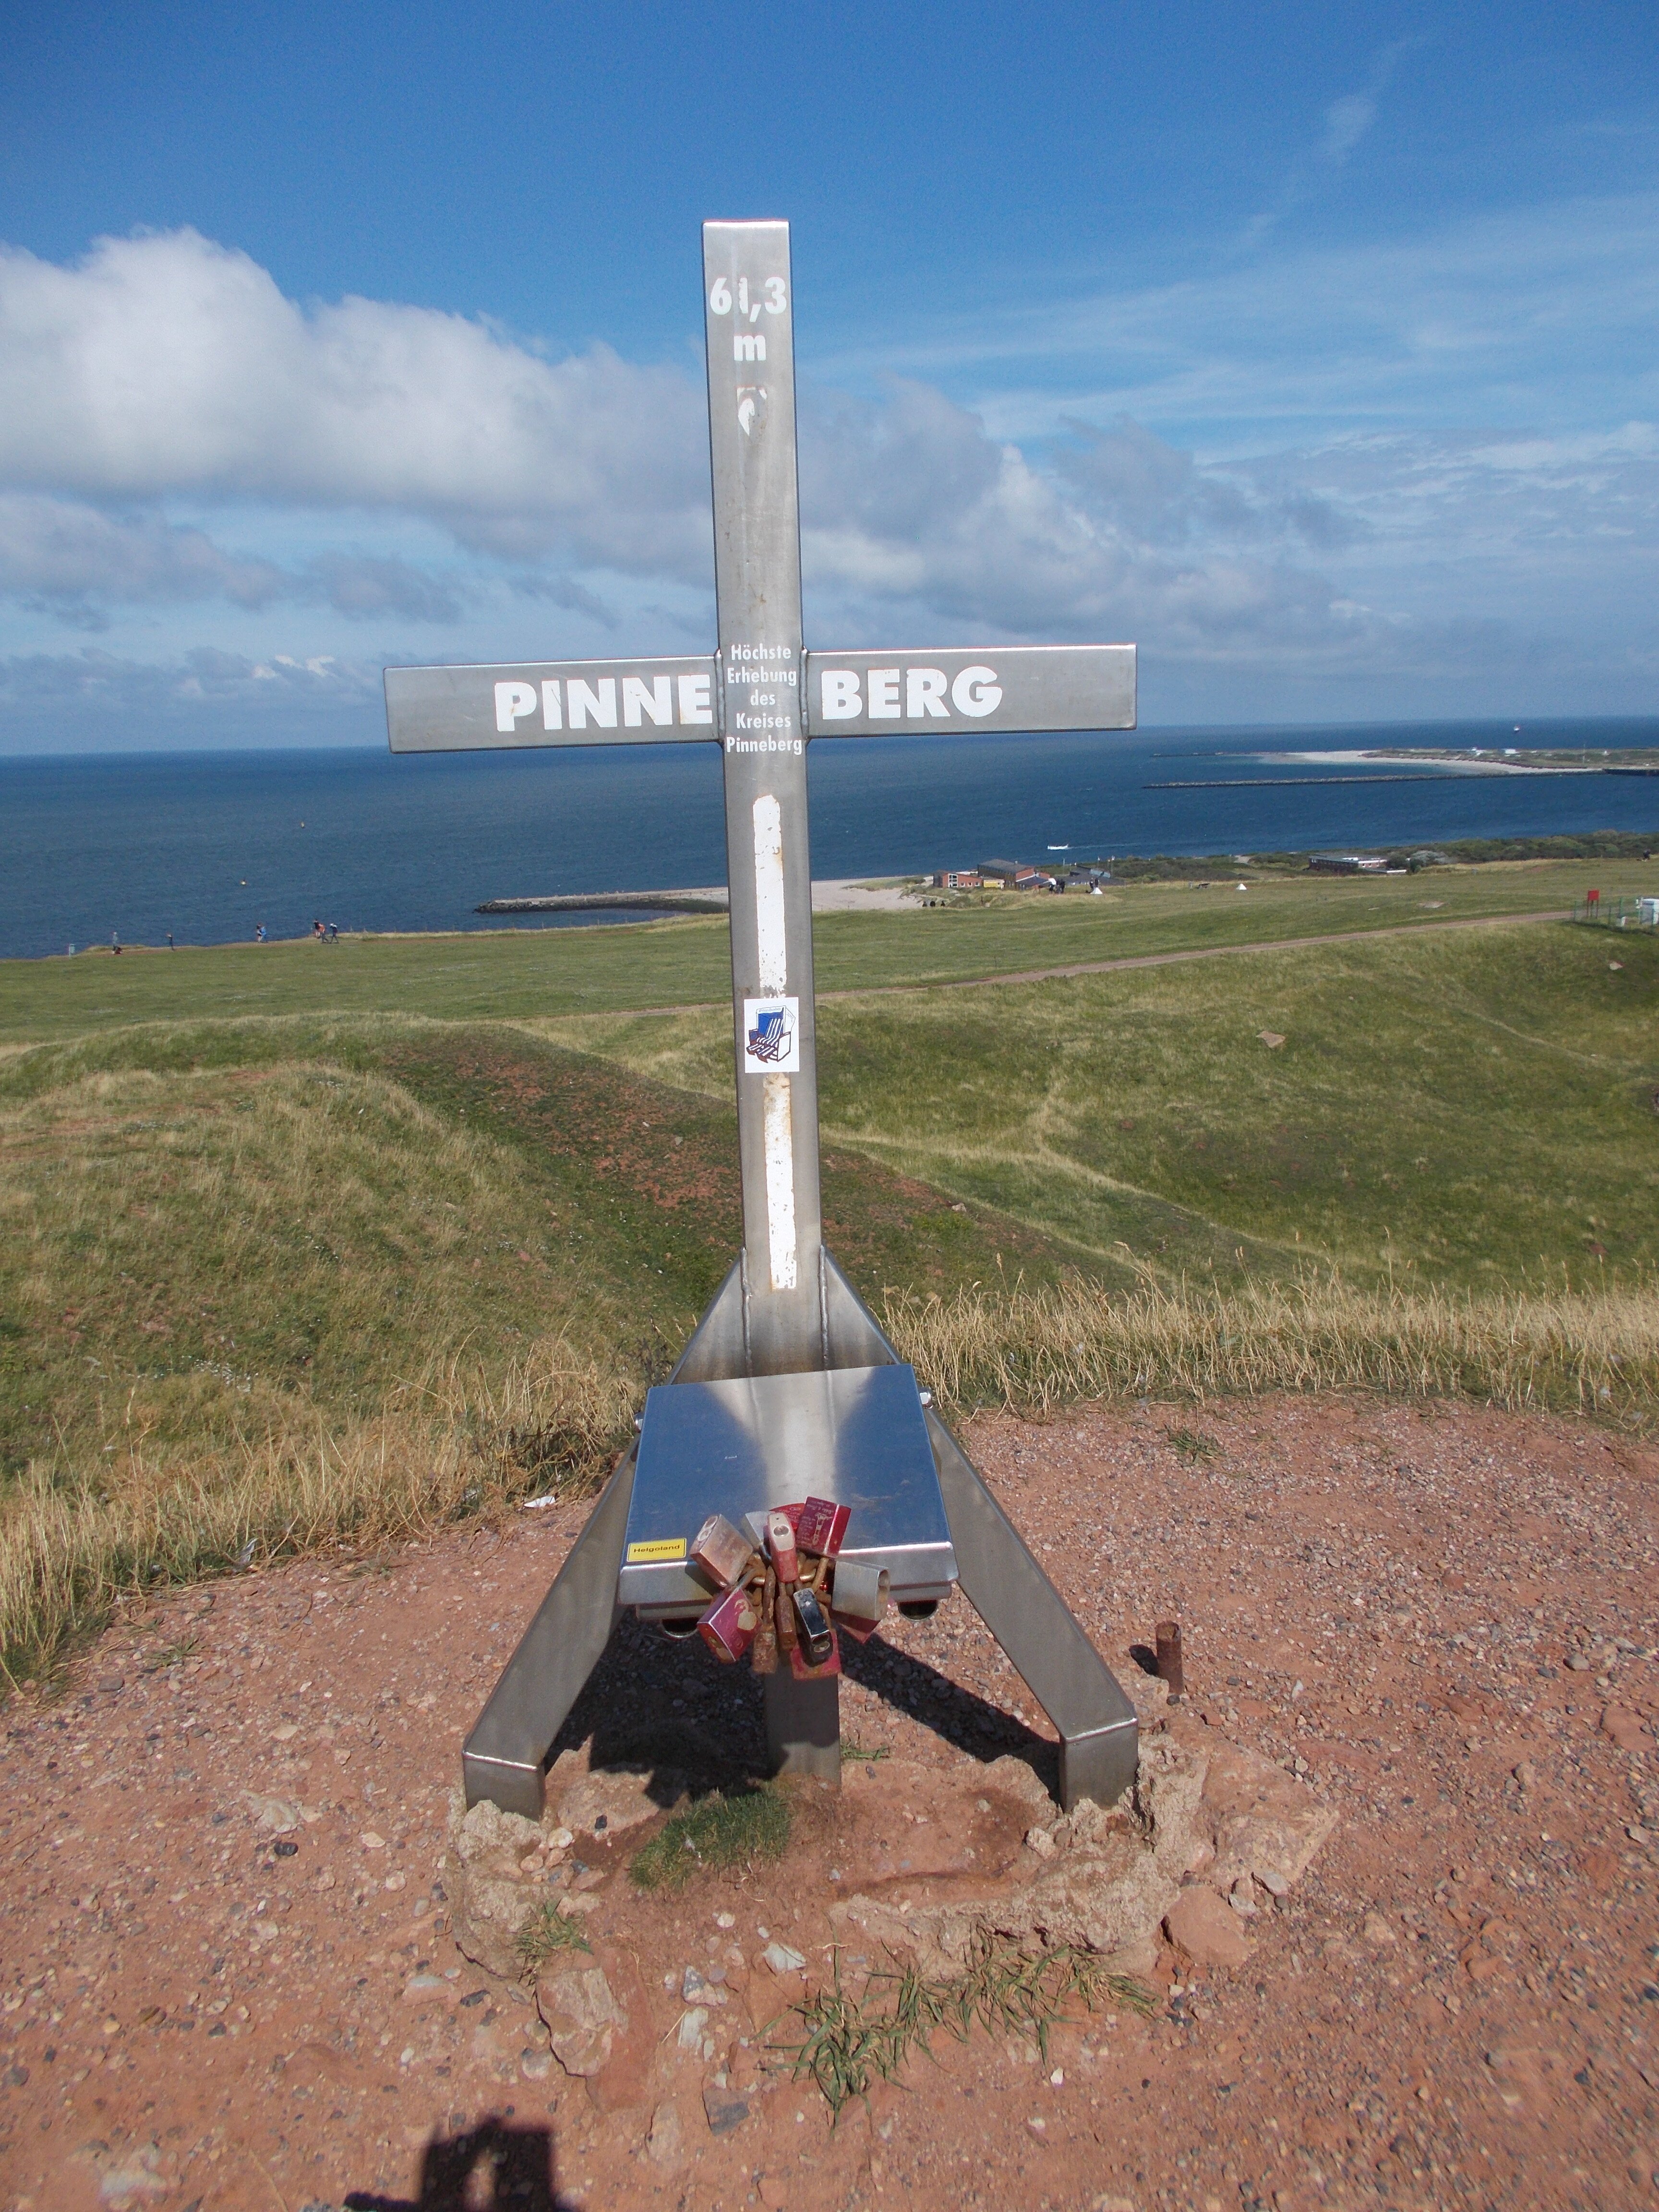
(1628,760)
(830,895)
(211,847)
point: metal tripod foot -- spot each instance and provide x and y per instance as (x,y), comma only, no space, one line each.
(505,1757)
(1099,1734)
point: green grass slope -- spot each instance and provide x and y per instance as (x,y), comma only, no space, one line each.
(279,1271)
(531,972)
(213,1230)
(1476,1106)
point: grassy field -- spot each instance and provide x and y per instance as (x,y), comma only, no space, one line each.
(281,1271)
(275,1283)
(1466,1108)
(514,974)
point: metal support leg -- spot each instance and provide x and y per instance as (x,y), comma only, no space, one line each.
(803,1725)
(505,1756)
(1099,1736)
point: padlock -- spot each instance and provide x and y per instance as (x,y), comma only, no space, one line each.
(804,1671)
(858,1599)
(763,1651)
(781,1547)
(722,1552)
(821,1525)
(783,1616)
(728,1625)
(817,1638)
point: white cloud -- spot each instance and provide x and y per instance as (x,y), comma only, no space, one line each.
(1346,122)
(74,560)
(99,683)
(163,366)
(166,364)
(1520,316)
(917,513)
(65,555)
(382,469)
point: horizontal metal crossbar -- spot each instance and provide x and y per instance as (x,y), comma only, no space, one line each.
(552,702)
(1014,687)
(753,706)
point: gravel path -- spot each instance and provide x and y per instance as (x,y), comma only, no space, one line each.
(228,1981)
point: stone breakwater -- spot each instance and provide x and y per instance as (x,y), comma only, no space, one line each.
(712,900)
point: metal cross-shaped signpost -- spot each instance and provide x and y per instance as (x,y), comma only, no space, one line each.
(788,1387)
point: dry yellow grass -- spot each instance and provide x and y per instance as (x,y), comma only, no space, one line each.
(458,1443)
(1590,1353)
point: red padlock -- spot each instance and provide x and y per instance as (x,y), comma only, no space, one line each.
(729,1626)
(781,1545)
(820,1526)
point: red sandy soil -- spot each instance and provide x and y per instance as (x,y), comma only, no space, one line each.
(1443,1617)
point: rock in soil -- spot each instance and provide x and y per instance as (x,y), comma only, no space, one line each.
(583,2017)
(1205,1930)
(489,1899)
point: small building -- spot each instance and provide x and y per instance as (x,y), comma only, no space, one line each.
(957,880)
(1346,863)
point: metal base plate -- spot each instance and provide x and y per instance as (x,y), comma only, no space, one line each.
(858,1435)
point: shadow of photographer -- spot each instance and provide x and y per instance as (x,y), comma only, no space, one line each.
(493,2167)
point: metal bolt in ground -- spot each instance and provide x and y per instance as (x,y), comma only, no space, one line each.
(1167,1642)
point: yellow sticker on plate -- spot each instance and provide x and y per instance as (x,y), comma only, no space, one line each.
(659,1548)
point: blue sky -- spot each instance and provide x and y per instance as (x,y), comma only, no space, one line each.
(1312,347)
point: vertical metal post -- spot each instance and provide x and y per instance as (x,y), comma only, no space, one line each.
(749,309)
(786,1307)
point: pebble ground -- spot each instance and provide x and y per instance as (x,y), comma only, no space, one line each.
(228,1980)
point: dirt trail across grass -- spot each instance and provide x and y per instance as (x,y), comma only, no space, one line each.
(228,1980)
(1132,960)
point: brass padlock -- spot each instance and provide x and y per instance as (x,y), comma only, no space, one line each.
(763,1651)
(783,1613)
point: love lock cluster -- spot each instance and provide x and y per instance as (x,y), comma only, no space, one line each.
(785,1592)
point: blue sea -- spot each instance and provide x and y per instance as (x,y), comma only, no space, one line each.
(213,846)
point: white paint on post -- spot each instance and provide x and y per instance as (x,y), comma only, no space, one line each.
(768,895)
(772,962)
(780,1180)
